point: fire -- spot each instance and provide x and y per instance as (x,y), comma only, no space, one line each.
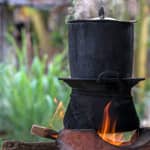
(54,136)
(58,114)
(117,139)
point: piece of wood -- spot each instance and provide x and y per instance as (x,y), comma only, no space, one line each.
(8,145)
(89,140)
(44,132)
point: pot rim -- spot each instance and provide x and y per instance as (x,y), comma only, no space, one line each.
(98,20)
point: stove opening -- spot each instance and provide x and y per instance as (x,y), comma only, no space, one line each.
(108,132)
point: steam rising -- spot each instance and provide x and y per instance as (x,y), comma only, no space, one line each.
(85,9)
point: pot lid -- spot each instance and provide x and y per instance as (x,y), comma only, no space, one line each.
(101,18)
(98,19)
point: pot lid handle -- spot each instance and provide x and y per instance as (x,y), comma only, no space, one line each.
(101,10)
(101,13)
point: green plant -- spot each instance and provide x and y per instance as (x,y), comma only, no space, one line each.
(0,143)
(27,95)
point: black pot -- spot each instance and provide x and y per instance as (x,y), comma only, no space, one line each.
(89,99)
(86,111)
(97,46)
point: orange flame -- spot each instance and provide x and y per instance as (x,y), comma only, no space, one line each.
(54,136)
(58,114)
(113,138)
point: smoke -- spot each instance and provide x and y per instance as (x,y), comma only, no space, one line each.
(85,9)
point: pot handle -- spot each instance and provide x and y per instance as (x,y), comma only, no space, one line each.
(108,75)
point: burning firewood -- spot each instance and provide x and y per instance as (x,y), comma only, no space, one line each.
(44,132)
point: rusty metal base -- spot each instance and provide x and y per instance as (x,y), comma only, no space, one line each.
(89,140)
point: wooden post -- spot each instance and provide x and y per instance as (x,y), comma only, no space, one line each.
(6,17)
(2,31)
(142,47)
(142,41)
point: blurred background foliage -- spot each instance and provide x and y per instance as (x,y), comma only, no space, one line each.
(33,54)
(32,94)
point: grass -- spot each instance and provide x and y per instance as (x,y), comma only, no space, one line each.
(32,95)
